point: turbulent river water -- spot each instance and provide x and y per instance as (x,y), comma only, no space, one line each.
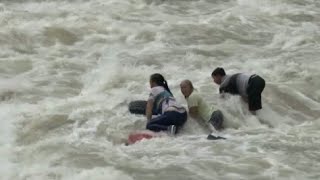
(68,70)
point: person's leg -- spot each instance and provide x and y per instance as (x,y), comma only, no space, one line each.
(159,123)
(169,118)
(177,120)
(216,120)
(261,84)
(256,86)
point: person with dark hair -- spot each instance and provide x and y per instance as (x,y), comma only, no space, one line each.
(218,71)
(249,87)
(172,116)
(198,108)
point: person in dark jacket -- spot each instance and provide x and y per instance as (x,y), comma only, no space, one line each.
(249,87)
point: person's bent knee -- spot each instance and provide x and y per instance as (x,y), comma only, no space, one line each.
(216,120)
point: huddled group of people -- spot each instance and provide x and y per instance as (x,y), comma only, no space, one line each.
(172,115)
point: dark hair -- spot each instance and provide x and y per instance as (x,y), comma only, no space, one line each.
(160,81)
(218,71)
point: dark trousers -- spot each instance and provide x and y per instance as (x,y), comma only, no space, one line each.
(217,120)
(162,122)
(255,87)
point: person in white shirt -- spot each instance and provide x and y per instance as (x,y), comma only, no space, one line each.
(198,108)
(172,116)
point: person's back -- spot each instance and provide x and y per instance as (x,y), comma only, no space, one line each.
(249,87)
(161,102)
(235,84)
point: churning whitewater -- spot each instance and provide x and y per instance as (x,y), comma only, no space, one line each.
(69,69)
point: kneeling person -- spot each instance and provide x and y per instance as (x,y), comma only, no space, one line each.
(171,115)
(198,108)
(249,87)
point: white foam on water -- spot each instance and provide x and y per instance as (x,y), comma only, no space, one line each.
(68,70)
(6,139)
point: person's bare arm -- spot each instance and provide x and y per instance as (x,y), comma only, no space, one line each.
(193,112)
(149,109)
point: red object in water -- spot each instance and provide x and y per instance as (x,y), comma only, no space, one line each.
(138,136)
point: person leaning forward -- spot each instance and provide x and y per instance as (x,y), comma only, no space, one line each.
(198,108)
(249,87)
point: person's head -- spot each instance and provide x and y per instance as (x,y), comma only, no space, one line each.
(158,80)
(186,87)
(218,74)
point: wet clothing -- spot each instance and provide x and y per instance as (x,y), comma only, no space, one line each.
(195,100)
(205,112)
(162,122)
(162,100)
(255,87)
(248,86)
(169,111)
(235,84)
(216,120)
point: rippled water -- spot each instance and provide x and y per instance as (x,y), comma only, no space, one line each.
(68,69)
